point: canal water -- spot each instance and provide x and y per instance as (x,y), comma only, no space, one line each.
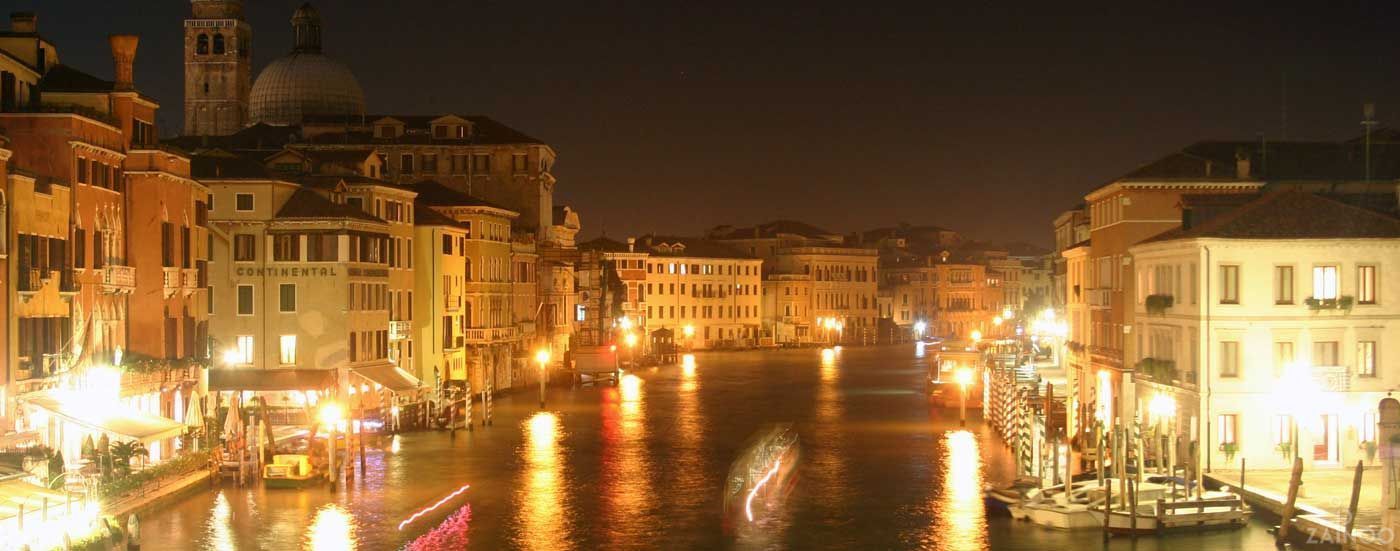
(640,466)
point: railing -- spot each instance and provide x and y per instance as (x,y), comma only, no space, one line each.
(170,278)
(452,302)
(1343,303)
(118,279)
(67,282)
(1102,298)
(189,280)
(399,330)
(29,281)
(483,335)
(1335,378)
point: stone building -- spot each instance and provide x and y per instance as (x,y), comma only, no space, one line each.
(611,282)
(706,294)
(218,68)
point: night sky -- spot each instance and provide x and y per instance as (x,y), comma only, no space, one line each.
(670,117)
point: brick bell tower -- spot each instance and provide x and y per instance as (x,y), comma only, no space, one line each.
(218,68)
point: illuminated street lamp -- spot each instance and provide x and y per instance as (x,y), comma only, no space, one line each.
(330,415)
(976,337)
(919,327)
(542,356)
(996,320)
(232,357)
(964,377)
(626,323)
(1006,313)
(689,332)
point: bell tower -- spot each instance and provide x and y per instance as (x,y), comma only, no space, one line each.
(218,68)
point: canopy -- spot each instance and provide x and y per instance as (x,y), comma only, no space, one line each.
(390,376)
(15,492)
(119,421)
(270,379)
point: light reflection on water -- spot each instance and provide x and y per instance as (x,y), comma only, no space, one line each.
(540,499)
(641,465)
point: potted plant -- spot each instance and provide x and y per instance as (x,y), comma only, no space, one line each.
(1158,304)
(1285,448)
(1230,449)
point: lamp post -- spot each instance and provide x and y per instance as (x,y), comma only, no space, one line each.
(631,340)
(330,415)
(964,378)
(542,356)
(689,332)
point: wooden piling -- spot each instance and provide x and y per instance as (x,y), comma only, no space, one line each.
(1351,509)
(1286,519)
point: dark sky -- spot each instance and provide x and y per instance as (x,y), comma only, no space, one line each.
(674,117)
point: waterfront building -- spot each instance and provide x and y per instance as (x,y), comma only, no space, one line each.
(95,201)
(611,281)
(842,306)
(706,294)
(1265,319)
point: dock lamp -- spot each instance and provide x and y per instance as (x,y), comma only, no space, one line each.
(919,327)
(330,415)
(542,356)
(964,377)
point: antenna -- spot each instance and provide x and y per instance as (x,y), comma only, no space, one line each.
(1368,113)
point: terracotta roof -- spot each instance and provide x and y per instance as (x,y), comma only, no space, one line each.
(692,247)
(432,192)
(1291,215)
(219,164)
(307,204)
(425,215)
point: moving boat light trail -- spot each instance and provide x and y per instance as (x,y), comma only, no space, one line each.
(748,502)
(434,506)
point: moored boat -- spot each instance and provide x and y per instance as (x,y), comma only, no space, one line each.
(290,471)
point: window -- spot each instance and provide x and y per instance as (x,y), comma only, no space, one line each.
(1283,355)
(440,131)
(286,248)
(243,202)
(446,244)
(1366,284)
(322,247)
(201,45)
(218,44)
(245,247)
(1283,429)
(245,300)
(243,350)
(1225,428)
(1283,285)
(1229,284)
(519,163)
(1325,282)
(1368,427)
(481,164)
(459,164)
(209,300)
(287,351)
(167,245)
(1325,353)
(1229,358)
(1366,358)
(79,247)
(287,297)
(429,163)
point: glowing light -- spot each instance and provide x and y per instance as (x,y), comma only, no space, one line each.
(828,355)
(1162,406)
(1048,314)
(542,356)
(1105,398)
(395,445)
(962,524)
(626,323)
(748,502)
(631,386)
(688,365)
(543,427)
(996,320)
(221,524)
(1006,313)
(631,340)
(919,327)
(976,335)
(331,413)
(434,506)
(332,529)
(688,330)
(232,357)
(963,376)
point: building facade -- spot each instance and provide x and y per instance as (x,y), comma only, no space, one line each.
(705,294)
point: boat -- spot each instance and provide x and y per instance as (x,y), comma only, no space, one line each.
(1062,507)
(998,500)
(290,471)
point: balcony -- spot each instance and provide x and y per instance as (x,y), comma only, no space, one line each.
(1158,304)
(67,282)
(28,281)
(118,279)
(1164,372)
(1100,298)
(170,278)
(1333,378)
(489,335)
(1337,304)
(189,280)
(452,303)
(399,330)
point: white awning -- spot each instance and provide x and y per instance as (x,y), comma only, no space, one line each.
(389,376)
(121,422)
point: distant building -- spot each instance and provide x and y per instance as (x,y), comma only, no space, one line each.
(707,294)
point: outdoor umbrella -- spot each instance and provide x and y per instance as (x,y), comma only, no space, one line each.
(233,423)
(194,417)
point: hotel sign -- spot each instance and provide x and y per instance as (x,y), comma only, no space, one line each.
(318,271)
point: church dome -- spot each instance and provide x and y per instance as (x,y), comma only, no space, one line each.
(305,82)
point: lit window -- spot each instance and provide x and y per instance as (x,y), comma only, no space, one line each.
(1225,428)
(1366,358)
(1229,284)
(1366,284)
(1325,282)
(288,350)
(1283,429)
(243,354)
(1368,427)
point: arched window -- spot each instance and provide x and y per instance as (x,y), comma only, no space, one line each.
(201,44)
(218,44)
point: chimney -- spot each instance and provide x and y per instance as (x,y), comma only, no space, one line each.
(1241,164)
(631,244)
(25,22)
(123,56)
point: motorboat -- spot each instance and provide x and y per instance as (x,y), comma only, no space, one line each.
(763,472)
(999,499)
(1157,509)
(1064,507)
(290,471)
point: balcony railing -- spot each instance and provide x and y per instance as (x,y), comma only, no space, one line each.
(1321,304)
(189,280)
(399,330)
(486,335)
(67,282)
(1334,378)
(452,303)
(1101,298)
(29,281)
(118,279)
(1158,304)
(1164,372)
(170,278)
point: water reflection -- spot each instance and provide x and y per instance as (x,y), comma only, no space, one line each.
(541,499)
(331,529)
(829,460)
(221,525)
(627,489)
(960,519)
